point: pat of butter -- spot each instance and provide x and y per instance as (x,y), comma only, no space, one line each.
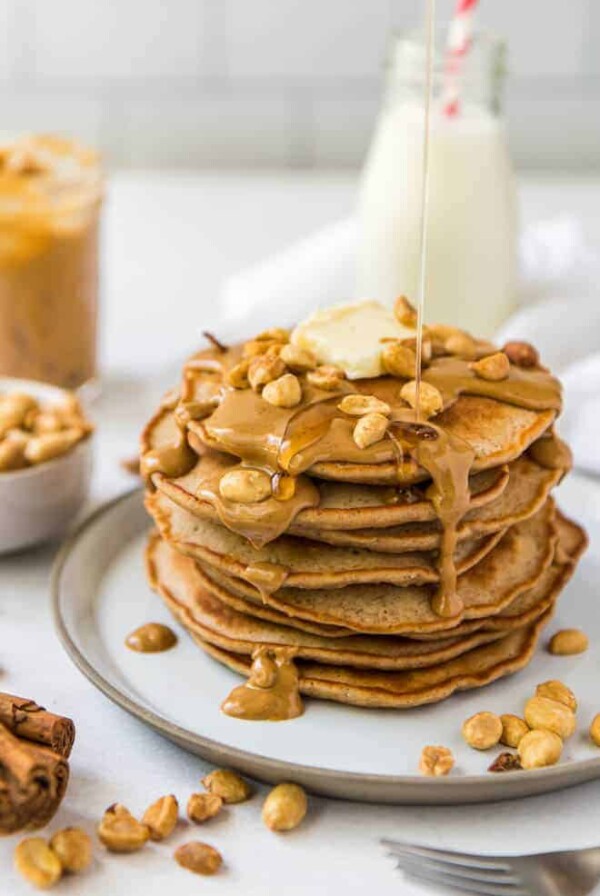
(350,336)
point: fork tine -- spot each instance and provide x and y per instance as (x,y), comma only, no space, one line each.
(484,875)
(461,885)
(453,858)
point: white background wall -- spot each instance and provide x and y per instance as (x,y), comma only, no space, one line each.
(274,82)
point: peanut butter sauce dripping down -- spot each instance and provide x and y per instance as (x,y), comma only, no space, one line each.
(151,638)
(271,693)
(259,522)
(286,442)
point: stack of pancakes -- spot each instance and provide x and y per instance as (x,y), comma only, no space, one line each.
(394,574)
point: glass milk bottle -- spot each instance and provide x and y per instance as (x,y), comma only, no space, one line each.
(471,241)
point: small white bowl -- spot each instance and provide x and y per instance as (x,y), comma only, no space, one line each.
(38,503)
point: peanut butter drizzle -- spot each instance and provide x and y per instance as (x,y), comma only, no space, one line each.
(294,439)
(151,638)
(263,521)
(267,577)
(174,460)
(290,441)
(531,389)
(271,693)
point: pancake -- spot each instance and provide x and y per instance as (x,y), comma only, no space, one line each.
(572,542)
(339,506)
(496,419)
(176,578)
(498,433)
(403,690)
(515,565)
(298,562)
(528,488)
(522,611)
(319,529)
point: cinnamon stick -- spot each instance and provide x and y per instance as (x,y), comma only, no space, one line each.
(26,719)
(33,781)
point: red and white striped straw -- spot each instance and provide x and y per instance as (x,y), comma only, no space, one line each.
(460,36)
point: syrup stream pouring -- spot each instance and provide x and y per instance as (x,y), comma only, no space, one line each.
(429,39)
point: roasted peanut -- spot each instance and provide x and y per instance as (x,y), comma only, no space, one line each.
(595,730)
(522,354)
(513,729)
(274,334)
(284,807)
(228,785)
(161,817)
(482,731)
(284,392)
(14,408)
(358,405)
(199,858)
(370,429)
(405,313)
(556,690)
(202,806)
(539,748)
(264,369)
(568,642)
(505,762)
(119,831)
(462,344)
(256,347)
(45,421)
(73,847)
(326,377)
(441,332)
(51,445)
(37,863)
(541,712)
(245,486)
(298,359)
(12,450)
(430,398)
(436,761)
(426,347)
(237,376)
(494,367)
(399,360)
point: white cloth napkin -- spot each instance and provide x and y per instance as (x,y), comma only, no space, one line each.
(558,294)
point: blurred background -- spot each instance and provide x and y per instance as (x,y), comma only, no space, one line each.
(275,83)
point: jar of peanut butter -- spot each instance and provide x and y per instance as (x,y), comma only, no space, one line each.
(50,200)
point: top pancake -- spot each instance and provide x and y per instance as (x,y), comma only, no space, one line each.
(495,420)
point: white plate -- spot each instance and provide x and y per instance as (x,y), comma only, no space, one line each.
(100,595)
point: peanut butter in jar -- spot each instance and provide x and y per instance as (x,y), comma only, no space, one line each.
(50,200)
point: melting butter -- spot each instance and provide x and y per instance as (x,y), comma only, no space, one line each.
(350,336)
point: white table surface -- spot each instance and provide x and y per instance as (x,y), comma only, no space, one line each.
(170,241)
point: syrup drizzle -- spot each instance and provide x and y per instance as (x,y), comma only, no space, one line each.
(422,285)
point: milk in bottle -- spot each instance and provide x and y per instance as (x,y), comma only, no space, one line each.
(471,230)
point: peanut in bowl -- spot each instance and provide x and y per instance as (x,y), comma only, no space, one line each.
(45,462)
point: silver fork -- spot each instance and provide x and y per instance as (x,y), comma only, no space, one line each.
(568,873)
